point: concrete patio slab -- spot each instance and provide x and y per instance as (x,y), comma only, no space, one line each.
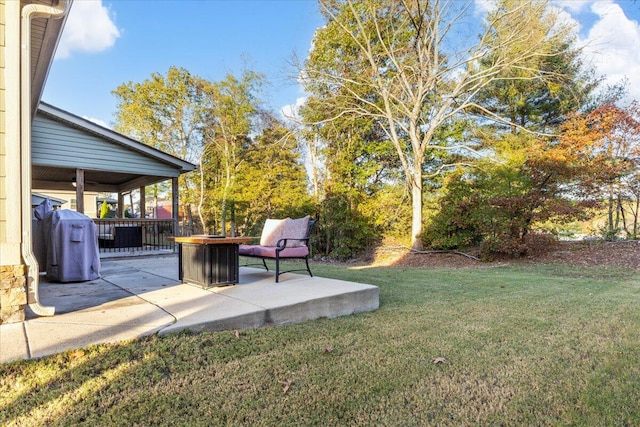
(141,296)
(13,342)
(50,337)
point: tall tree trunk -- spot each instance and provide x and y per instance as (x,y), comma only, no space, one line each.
(314,160)
(416,199)
(201,199)
(610,214)
(635,218)
(623,216)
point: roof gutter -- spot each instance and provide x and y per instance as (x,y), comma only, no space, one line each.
(28,13)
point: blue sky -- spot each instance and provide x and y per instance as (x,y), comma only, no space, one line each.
(109,42)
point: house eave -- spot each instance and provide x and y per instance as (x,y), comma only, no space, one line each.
(46,35)
(78,122)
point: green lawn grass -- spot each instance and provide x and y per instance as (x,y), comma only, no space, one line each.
(522,345)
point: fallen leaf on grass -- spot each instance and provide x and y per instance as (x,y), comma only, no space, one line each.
(287,385)
(329,349)
(237,335)
(439,360)
(76,354)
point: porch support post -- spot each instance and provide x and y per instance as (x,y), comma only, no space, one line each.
(174,204)
(120,205)
(80,190)
(143,204)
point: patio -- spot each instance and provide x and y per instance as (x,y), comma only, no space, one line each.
(140,296)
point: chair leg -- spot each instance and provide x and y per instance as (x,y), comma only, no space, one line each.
(277,268)
(306,260)
(265,264)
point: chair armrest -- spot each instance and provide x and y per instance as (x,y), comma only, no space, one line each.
(282,243)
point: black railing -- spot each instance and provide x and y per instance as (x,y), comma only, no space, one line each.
(134,235)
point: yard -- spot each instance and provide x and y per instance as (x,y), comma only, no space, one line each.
(547,341)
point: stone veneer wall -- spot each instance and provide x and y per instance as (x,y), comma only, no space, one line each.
(13,295)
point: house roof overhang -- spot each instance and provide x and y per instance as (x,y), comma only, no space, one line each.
(51,174)
(45,35)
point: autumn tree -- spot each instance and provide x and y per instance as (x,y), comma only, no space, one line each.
(537,94)
(165,112)
(413,66)
(229,107)
(500,201)
(250,167)
(222,127)
(271,180)
(606,141)
(515,184)
(593,159)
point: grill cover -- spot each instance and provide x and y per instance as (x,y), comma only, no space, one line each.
(38,236)
(72,247)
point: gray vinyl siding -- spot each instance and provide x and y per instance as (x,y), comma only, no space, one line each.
(59,145)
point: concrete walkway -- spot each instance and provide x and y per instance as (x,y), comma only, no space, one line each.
(141,296)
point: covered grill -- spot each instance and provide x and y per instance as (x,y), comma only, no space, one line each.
(72,247)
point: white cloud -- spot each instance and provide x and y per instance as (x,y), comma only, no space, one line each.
(97,121)
(89,28)
(573,6)
(482,7)
(290,112)
(566,20)
(613,45)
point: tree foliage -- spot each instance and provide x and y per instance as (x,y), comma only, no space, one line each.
(607,141)
(250,166)
(537,94)
(164,112)
(499,203)
(412,67)
(272,181)
(524,175)
(359,168)
(230,107)
(594,158)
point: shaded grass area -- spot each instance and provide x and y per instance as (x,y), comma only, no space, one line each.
(522,345)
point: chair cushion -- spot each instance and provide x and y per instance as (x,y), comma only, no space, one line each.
(270,252)
(272,231)
(246,249)
(106,232)
(296,229)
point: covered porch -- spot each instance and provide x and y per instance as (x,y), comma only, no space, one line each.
(74,155)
